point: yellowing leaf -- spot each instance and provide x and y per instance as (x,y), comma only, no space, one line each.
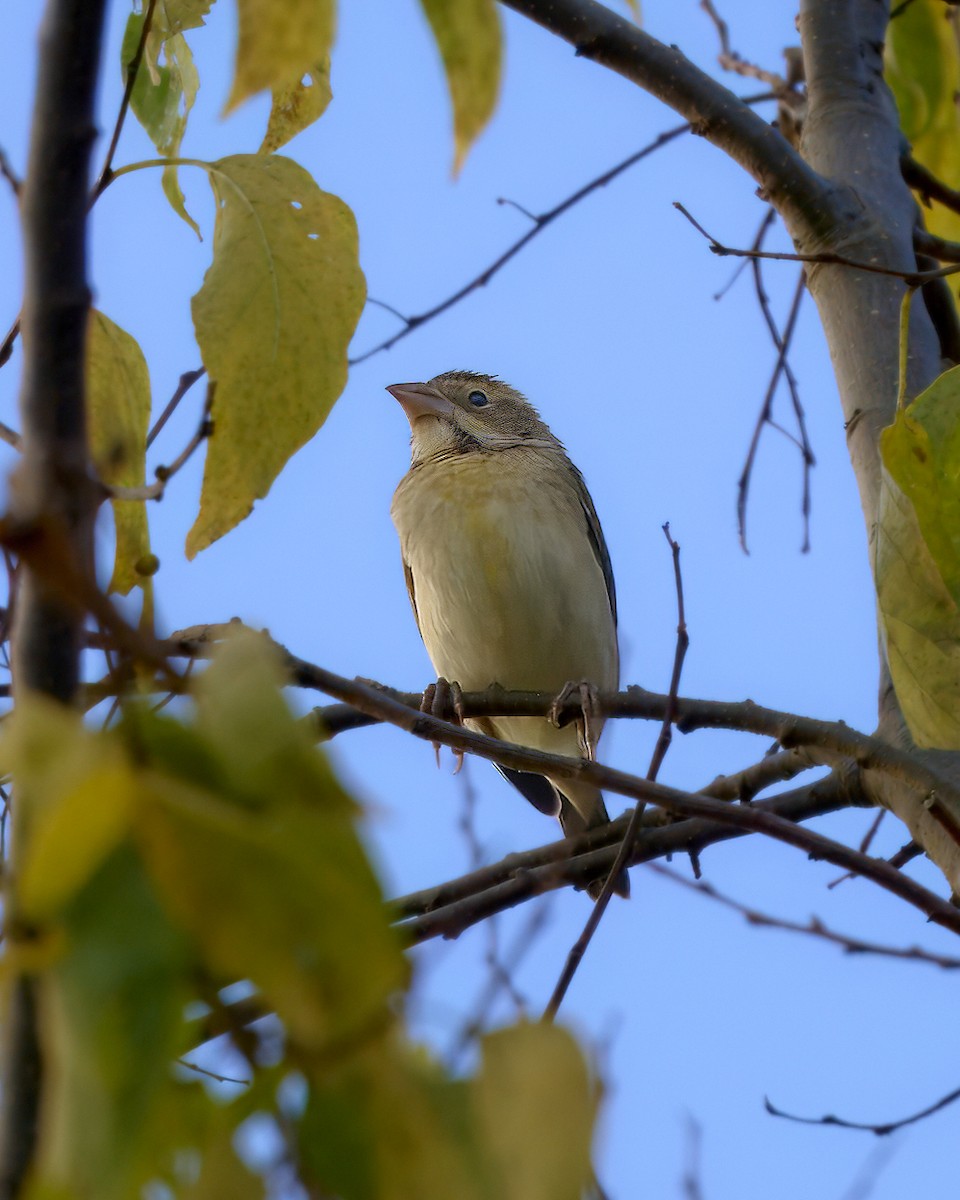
(467,33)
(279,40)
(74,835)
(921,450)
(920,624)
(260,861)
(296,106)
(273,320)
(536,1107)
(922,66)
(118,411)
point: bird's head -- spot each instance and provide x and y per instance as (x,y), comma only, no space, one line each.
(460,412)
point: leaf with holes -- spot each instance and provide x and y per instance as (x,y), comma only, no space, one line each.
(297,106)
(273,318)
(279,40)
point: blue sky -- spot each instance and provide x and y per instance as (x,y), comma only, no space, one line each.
(608,322)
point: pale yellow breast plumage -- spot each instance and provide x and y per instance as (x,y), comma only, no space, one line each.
(506,585)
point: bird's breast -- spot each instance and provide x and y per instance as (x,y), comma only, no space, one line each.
(506,583)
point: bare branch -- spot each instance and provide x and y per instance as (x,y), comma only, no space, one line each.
(813,928)
(155,491)
(880,1130)
(913,279)
(928,185)
(187,380)
(730,60)
(539,224)
(53,487)
(805,199)
(780,366)
(106,171)
(9,174)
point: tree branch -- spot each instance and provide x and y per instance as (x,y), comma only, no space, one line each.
(52,489)
(806,199)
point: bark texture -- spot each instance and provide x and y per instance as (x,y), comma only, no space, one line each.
(53,497)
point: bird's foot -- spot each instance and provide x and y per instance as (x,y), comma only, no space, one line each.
(444,700)
(591,718)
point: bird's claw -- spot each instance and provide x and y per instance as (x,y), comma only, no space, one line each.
(444,700)
(591,718)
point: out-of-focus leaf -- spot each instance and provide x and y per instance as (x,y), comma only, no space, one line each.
(273,320)
(918,561)
(267,872)
(111,1013)
(296,106)
(118,412)
(279,40)
(922,66)
(468,37)
(391,1126)
(536,1109)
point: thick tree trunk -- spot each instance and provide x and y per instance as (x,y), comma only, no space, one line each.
(53,494)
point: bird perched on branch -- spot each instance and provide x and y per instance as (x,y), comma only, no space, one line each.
(508,572)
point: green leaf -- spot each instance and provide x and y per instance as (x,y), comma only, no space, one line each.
(273,318)
(164,93)
(118,413)
(922,66)
(297,106)
(917,565)
(267,871)
(111,1019)
(279,41)
(467,33)
(536,1108)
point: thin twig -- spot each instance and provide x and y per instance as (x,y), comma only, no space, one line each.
(579,949)
(865,843)
(882,1130)
(780,367)
(813,928)
(155,491)
(825,258)
(133,67)
(10,436)
(6,346)
(731,61)
(928,185)
(187,380)
(539,224)
(9,174)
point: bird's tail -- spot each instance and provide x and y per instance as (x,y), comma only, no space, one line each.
(582,808)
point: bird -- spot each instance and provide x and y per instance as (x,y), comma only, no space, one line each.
(508,573)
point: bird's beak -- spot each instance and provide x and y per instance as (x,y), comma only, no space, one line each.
(420,400)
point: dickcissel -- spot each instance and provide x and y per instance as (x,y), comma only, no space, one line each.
(507,570)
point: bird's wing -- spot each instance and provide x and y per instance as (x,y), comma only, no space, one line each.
(411,592)
(539,791)
(597,540)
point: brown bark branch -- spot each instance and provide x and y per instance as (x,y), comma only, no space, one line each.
(53,489)
(806,199)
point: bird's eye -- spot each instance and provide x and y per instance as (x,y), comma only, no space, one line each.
(478,399)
